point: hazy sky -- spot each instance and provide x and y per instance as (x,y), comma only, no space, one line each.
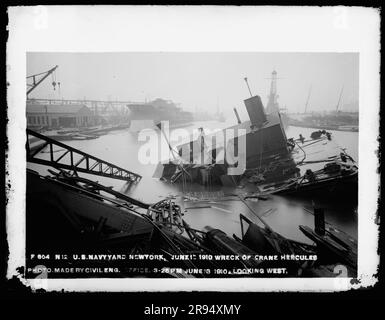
(201,80)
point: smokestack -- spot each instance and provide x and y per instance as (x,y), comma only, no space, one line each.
(256,111)
(237,115)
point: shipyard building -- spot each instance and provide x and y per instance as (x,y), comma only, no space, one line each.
(55,116)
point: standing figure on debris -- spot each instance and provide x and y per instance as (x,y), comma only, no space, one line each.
(301,138)
(310,176)
(291,143)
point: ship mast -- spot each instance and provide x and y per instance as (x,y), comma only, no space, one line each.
(339,99)
(307,100)
(248,87)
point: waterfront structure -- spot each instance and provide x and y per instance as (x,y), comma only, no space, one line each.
(160,110)
(55,116)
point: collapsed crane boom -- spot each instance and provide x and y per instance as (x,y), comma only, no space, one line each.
(73,159)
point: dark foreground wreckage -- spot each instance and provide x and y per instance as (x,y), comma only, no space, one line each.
(68,215)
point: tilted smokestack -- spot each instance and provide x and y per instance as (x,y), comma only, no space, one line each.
(237,115)
(256,111)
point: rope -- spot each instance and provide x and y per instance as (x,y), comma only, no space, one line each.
(261,151)
(318,140)
(303,153)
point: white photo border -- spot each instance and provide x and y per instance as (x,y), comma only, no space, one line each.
(198,29)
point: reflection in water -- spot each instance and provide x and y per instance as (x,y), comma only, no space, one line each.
(121,148)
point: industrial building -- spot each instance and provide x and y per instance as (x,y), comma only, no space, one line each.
(55,116)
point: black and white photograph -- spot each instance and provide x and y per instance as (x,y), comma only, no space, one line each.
(230,168)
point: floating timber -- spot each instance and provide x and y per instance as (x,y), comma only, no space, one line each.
(267,241)
(334,244)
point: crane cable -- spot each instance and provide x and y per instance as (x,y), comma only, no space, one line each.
(58,83)
(53,77)
(260,155)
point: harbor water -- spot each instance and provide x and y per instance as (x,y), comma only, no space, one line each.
(283,214)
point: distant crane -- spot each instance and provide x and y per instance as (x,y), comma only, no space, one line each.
(307,100)
(339,99)
(36,82)
(272,103)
